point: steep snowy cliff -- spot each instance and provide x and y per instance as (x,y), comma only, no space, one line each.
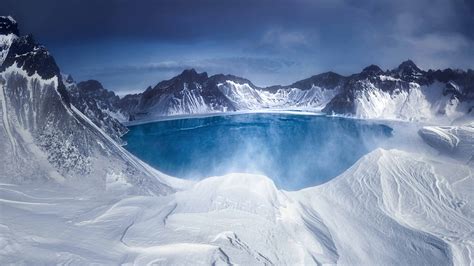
(44,137)
(99,105)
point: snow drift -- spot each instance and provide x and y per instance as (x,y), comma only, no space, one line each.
(390,208)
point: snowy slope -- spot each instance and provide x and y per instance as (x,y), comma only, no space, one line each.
(390,208)
(416,214)
(407,93)
(46,139)
(418,103)
(245,97)
(188,93)
(457,141)
(98,104)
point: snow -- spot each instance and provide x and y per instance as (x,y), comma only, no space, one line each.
(412,209)
(6,123)
(116,115)
(388,78)
(245,97)
(454,140)
(391,207)
(5,43)
(191,102)
(419,103)
(401,101)
(50,140)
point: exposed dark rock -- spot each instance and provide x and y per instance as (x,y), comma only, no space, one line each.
(8,25)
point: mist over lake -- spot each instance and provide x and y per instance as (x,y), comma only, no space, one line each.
(296,151)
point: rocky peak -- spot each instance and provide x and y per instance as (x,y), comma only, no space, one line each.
(190,75)
(370,71)
(220,78)
(408,67)
(8,25)
(328,80)
(90,85)
(69,79)
(32,57)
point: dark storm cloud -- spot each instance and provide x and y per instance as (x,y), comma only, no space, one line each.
(248,38)
(175,20)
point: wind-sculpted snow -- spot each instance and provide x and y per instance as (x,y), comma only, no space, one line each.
(390,208)
(416,214)
(453,140)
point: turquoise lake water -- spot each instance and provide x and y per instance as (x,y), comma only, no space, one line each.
(296,151)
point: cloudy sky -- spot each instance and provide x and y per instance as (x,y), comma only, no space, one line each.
(128,45)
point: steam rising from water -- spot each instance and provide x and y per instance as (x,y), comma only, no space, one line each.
(296,151)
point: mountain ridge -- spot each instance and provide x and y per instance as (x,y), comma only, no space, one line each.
(191,92)
(46,138)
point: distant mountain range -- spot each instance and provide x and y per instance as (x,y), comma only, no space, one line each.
(406,93)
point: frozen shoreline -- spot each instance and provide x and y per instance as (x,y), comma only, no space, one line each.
(212,114)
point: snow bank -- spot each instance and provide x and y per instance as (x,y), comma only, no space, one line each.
(391,207)
(453,140)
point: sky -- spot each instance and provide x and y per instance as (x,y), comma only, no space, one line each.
(129,45)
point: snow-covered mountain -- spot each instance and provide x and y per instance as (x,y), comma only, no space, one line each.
(44,137)
(98,104)
(392,207)
(187,93)
(197,93)
(406,93)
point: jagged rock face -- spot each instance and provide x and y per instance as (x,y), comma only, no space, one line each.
(191,92)
(43,137)
(8,26)
(405,92)
(329,80)
(99,105)
(186,93)
(128,105)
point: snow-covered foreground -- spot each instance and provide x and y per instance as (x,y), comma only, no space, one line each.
(391,207)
